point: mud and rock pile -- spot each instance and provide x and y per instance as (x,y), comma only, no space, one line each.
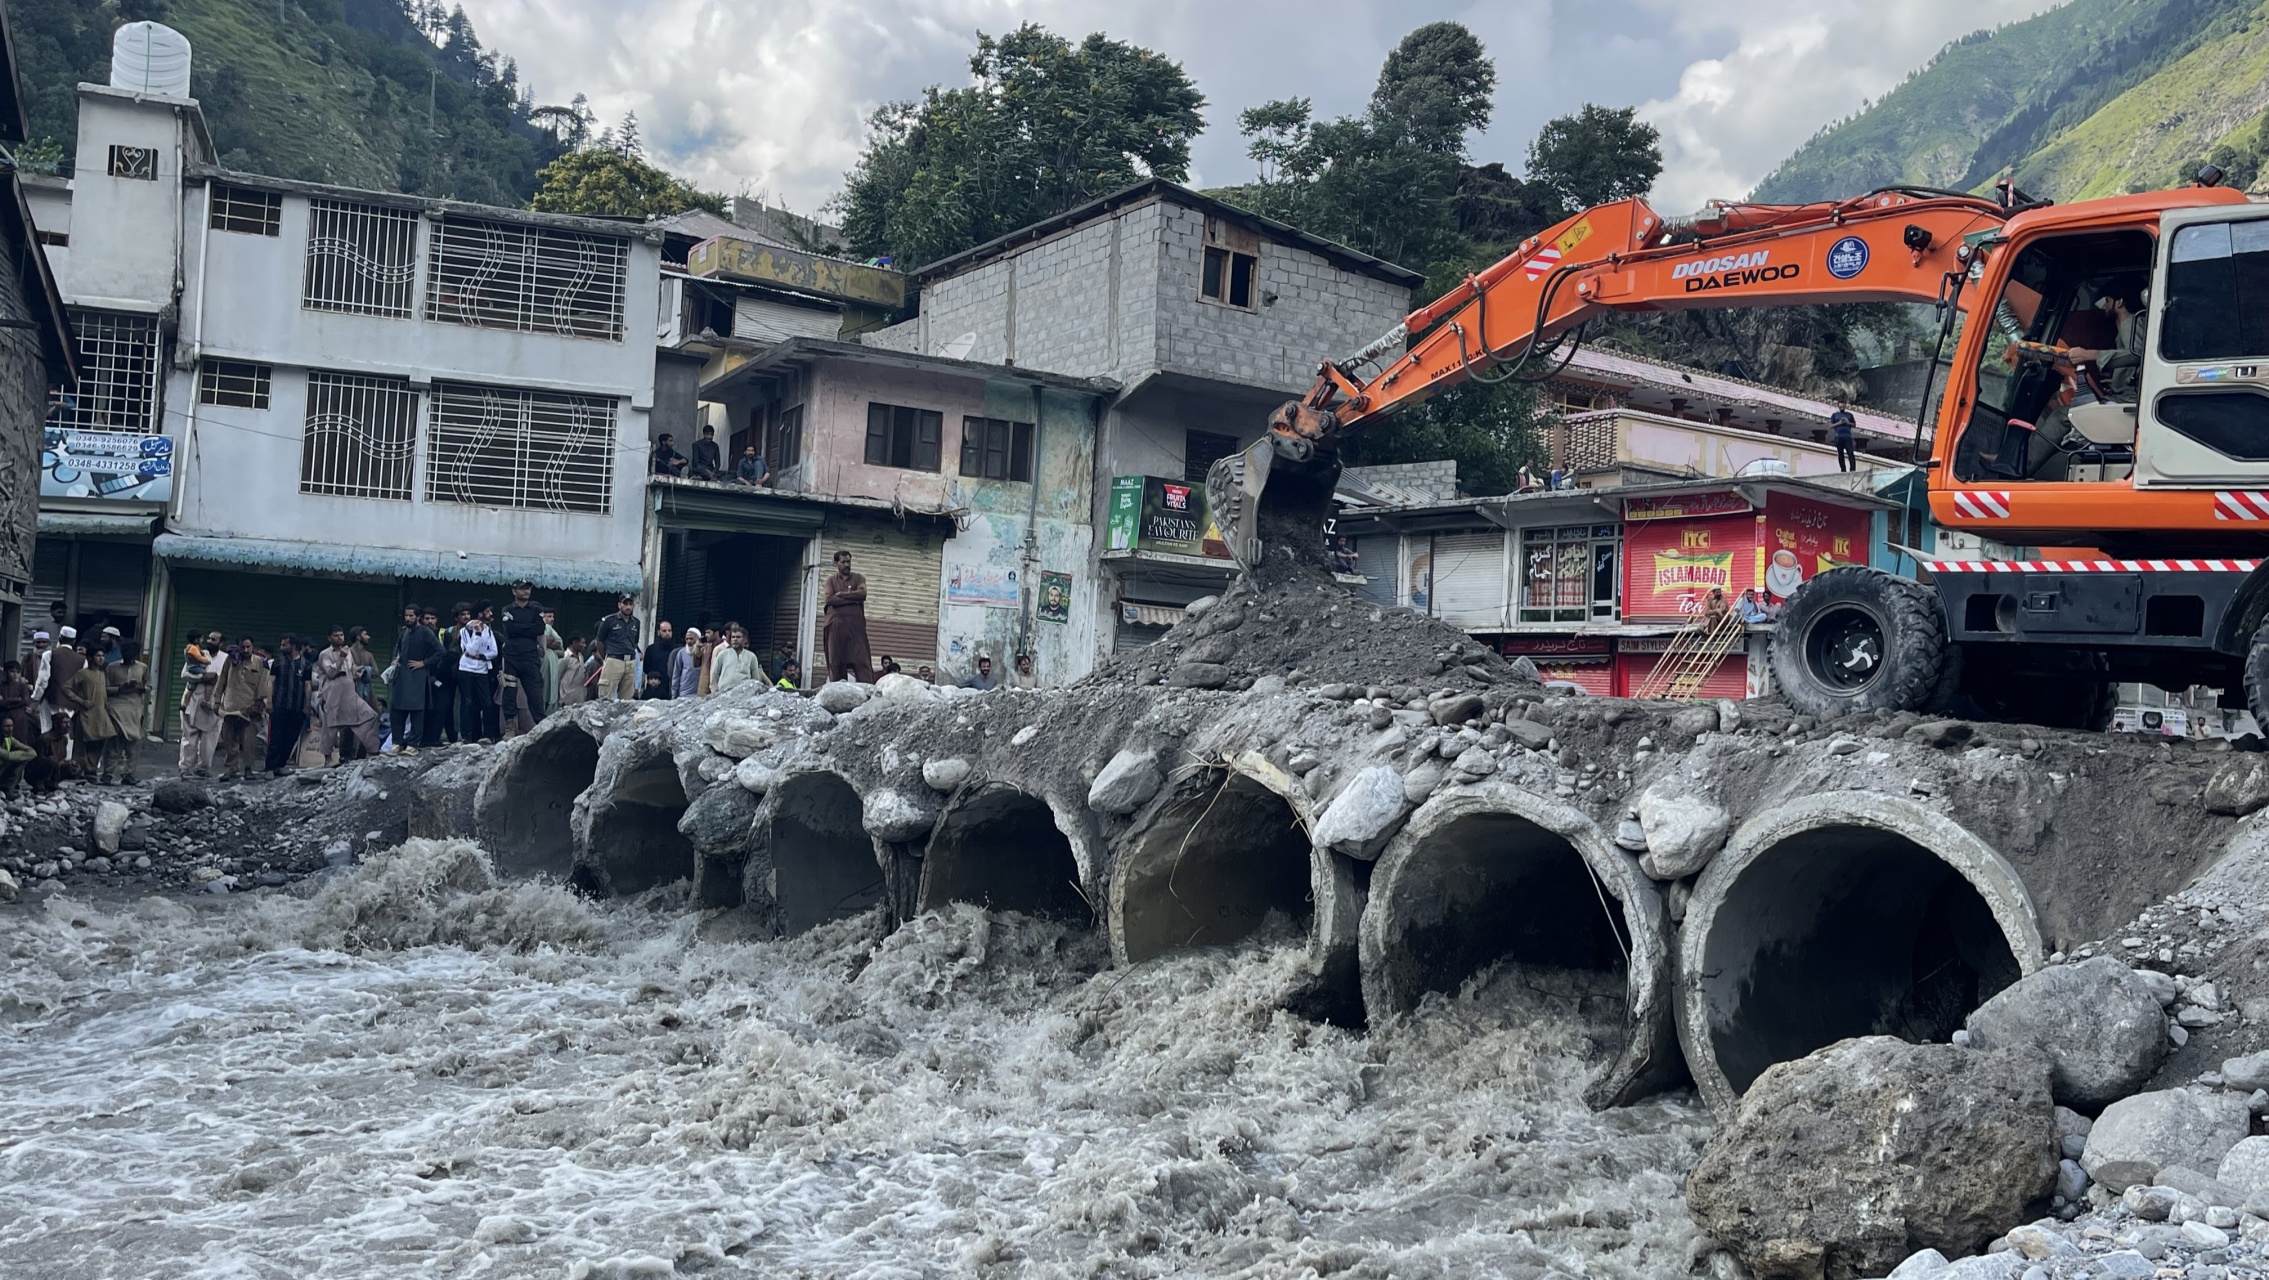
(1730,890)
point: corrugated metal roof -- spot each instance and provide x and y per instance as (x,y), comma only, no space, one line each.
(397,562)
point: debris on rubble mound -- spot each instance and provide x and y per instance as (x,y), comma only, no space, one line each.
(1840,1164)
(210,835)
(1291,620)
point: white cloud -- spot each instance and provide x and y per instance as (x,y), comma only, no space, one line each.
(772,97)
(1794,66)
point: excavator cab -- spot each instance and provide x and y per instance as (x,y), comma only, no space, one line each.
(2039,413)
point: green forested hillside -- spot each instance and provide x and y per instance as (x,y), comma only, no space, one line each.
(387,94)
(2094,97)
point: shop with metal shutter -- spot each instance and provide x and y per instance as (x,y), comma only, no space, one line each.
(1635,661)
(100,581)
(1469,580)
(901,560)
(265,606)
(1376,555)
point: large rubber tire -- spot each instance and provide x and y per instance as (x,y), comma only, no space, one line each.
(1858,639)
(2257,677)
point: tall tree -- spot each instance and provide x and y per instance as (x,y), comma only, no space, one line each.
(610,182)
(1046,125)
(1383,181)
(1594,156)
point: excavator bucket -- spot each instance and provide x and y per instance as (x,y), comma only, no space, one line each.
(1275,493)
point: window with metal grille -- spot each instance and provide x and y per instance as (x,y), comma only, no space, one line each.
(235,383)
(901,437)
(496,447)
(993,449)
(532,279)
(360,258)
(1569,574)
(134,162)
(362,436)
(118,375)
(258,213)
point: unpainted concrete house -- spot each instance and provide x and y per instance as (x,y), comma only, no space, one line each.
(1205,317)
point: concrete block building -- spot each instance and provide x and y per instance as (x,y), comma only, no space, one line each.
(1204,315)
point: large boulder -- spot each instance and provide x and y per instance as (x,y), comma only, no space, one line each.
(1364,814)
(2097,1023)
(110,825)
(2136,1137)
(1127,783)
(896,816)
(842,697)
(179,795)
(1843,1163)
(1684,831)
(2245,1168)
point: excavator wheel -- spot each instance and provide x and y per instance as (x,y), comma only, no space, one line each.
(1858,639)
(2257,677)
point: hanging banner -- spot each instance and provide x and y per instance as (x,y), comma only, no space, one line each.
(1055,596)
(991,585)
(1123,523)
(123,466)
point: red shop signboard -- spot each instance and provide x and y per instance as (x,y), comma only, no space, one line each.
(1669,565)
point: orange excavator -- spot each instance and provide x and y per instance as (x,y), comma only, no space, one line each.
(2107,399)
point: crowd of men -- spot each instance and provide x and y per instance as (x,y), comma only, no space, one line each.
(76,707)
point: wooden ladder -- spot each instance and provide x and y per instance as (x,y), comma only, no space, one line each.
(1693,655)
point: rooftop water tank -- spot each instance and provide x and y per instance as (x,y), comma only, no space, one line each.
(1765,467)
(149,57)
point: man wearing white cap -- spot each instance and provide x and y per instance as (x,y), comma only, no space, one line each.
(63,666)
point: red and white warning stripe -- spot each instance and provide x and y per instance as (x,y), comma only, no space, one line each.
(2091,566)
(1982,504)
(1546,258)
(2242,504)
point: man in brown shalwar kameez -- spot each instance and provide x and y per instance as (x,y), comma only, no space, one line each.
(845,625)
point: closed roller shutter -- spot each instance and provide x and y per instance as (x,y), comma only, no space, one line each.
(113,576)
(51,576)
(763,320)
(1729,679)
(1375,555)
(901,567)
(265,606)
(1469,579)
(1593,675)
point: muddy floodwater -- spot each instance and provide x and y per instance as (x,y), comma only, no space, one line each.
(418,1072)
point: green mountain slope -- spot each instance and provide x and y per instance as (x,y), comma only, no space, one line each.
(386,94)
(2156,133)
(1992,102)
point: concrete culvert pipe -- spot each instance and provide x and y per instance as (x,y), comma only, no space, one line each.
(1842,915)
(1497,874)
(822,861)
(523,812)
(1209,870)
(1001,848)
(634,843)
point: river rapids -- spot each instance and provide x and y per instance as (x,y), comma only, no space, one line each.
(421,1071)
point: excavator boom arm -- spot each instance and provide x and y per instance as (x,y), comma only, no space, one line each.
(1893,245)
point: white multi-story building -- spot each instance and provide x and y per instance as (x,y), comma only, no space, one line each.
(303,405)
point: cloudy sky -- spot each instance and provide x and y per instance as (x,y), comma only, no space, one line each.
(770,96)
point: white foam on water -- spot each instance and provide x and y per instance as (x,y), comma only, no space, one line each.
(424,1072)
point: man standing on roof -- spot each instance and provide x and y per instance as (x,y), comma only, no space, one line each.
(1840,424)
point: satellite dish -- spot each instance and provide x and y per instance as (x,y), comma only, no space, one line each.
(960,347)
